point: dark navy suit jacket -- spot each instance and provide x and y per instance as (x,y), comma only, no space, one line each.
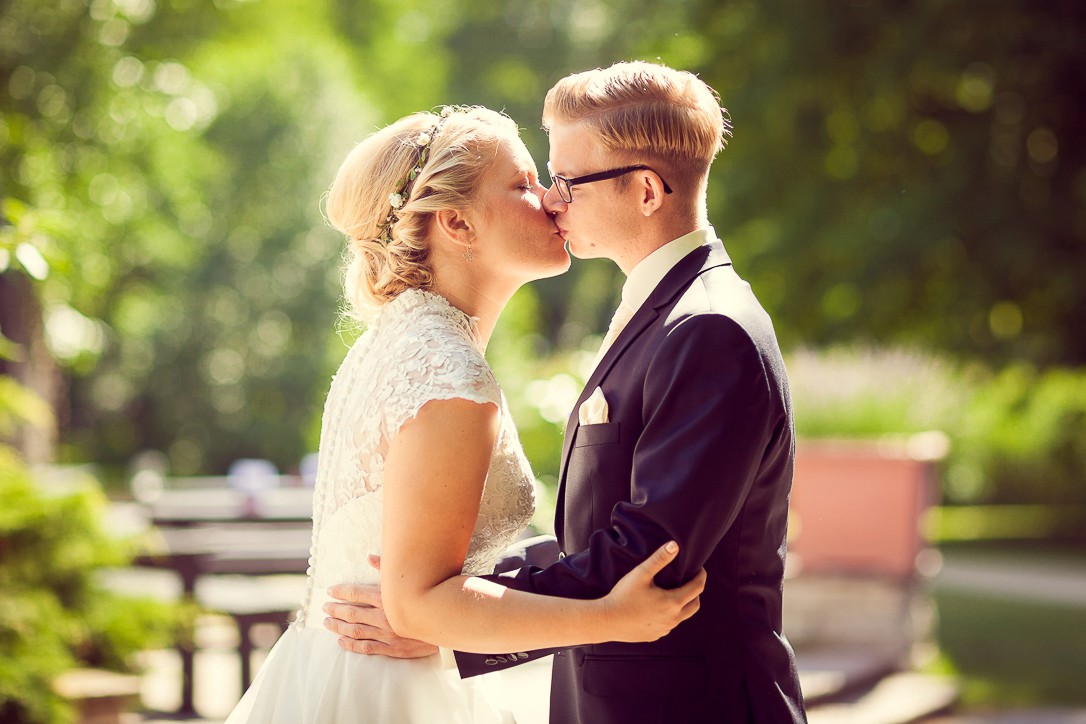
(699,449)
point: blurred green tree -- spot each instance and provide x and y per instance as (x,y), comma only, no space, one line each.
(55,614)
(900,173)
(167,160)
(904,171)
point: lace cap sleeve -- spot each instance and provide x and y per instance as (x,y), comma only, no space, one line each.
(437,364)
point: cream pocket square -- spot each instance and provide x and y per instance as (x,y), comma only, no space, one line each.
(593,411)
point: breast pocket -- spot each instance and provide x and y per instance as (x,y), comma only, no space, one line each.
(597,477)
(604,433)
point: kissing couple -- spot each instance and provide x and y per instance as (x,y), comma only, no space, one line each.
(661,598)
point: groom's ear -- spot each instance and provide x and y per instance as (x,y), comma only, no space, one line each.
(455,226)
(650,192)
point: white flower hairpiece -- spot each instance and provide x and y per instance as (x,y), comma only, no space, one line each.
(423,141)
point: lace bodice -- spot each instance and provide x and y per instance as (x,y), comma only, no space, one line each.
(419,348)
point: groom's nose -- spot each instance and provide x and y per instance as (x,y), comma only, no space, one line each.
(552,201)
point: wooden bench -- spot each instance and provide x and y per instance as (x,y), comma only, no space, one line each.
(99,696)
(249,602)
(240,552)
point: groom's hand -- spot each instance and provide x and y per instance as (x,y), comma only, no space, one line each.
(359,620)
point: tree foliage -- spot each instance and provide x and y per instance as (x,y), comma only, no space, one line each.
(900,173)
(905,172)
(167,160)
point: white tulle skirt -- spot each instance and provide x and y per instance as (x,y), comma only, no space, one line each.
(308,679)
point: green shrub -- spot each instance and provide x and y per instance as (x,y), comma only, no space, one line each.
(1022,439)
(53,614)
(868,393)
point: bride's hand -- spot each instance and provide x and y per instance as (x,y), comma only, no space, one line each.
(638,610)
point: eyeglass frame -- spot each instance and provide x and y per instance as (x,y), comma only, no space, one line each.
(558,181)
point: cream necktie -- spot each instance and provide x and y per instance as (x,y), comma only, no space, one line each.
(619,321)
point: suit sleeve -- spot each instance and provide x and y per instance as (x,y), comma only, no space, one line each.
(707,422)
(540,550)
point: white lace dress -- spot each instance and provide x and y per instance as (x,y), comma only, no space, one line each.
(420,348)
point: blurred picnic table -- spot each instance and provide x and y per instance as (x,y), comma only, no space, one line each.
(226,525)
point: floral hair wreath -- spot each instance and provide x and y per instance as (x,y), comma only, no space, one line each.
(424,142)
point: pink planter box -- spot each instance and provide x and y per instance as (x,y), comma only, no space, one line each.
(858,506)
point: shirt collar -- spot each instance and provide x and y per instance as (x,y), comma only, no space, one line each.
(651,270)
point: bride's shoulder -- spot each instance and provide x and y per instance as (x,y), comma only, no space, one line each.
(430,353)
(422,320)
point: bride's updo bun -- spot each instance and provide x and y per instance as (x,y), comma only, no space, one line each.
(387,248)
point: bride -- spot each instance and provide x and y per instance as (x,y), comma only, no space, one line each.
(419,459)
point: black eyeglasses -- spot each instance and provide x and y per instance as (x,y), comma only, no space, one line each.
(565,185)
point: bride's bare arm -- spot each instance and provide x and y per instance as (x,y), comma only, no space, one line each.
(433,482)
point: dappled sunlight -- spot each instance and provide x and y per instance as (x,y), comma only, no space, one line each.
(484,588)
(902,192)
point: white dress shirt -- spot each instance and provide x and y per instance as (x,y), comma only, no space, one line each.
(651,270)
(644,278)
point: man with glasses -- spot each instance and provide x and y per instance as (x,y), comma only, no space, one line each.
(684,429)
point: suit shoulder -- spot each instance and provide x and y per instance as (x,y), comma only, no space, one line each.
(719,298)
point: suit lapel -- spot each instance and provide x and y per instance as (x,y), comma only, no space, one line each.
(640,321)
(675,281)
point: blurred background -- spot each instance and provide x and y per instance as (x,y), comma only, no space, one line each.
(902,191)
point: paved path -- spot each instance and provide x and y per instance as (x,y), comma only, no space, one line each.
(1054,582)
(1025,716)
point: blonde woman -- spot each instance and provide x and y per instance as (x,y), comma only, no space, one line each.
(419,459)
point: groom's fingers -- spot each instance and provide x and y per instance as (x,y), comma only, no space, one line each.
(349,613)
(359,631)
(370,634)
(360,593)
(397,649)
(369,648)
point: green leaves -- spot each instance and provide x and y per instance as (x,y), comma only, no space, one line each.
(898,175)
(54,614)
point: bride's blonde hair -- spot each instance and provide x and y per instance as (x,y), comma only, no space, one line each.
(388,248)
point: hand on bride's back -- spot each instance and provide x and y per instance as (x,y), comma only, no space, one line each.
(637,610)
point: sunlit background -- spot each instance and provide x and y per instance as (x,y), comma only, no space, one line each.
(905,191)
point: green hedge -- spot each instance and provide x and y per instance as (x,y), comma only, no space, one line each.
(1022,439)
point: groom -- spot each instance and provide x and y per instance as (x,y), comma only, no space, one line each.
(683,431)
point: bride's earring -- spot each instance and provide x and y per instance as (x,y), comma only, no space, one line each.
(469,254)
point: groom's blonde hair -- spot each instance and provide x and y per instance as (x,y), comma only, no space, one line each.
(646,113)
